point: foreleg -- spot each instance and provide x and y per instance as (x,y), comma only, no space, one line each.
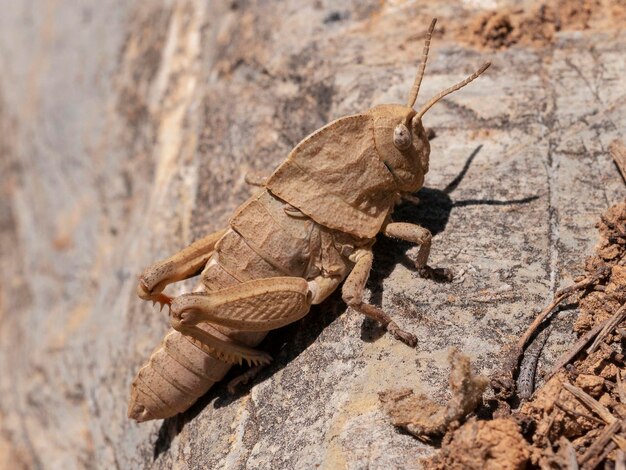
(352,293)
(184,264)
(257,305)
(420,236)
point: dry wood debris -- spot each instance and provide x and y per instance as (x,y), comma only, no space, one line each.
(537,23)
(491,445)
(577,419)
(618,152)
(427,420)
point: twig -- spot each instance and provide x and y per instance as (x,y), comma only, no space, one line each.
(608,439)
(566,410)
(558,298)
(591,403)
(620,441)
(620,460)
(595,461)
(600,443)
(620,388)
(615,320)
(503,382)
(570,454)
(601,273)
(617,149)
(578,346)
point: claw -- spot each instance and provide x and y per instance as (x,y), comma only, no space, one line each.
(436,274)
(244,378)
(404,336)
(155,297)
(162,300)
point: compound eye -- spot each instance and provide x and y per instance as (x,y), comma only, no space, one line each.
(402,137)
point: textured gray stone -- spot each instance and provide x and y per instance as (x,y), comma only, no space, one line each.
(125,132)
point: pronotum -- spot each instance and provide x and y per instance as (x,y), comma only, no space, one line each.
(309,229)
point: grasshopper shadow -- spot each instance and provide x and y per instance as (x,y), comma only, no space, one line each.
(284,345)
(287,343)
(432,212)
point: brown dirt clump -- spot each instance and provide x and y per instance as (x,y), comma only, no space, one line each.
(538,24)
(427,420)
(488,445)
(599,305)
(577,408)
(574,413)
(576,418)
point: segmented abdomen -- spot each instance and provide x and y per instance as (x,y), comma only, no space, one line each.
(177,374)
(264,241)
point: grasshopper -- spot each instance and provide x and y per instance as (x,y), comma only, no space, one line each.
(309,228)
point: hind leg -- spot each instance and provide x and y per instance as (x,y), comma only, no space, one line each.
(257,305)
(184,264)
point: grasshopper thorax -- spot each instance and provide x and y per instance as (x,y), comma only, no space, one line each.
(347,175)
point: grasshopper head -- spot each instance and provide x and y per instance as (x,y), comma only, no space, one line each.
(402,144)
(401,140)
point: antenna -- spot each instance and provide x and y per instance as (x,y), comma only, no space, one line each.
(452,89)
(420,73)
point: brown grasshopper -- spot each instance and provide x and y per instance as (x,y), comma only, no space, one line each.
(311,227)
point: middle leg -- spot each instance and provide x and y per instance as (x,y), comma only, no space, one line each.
(352,293)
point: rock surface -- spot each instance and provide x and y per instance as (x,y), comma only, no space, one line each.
(125,133)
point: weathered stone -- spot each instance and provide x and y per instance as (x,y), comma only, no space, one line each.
(125,132)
